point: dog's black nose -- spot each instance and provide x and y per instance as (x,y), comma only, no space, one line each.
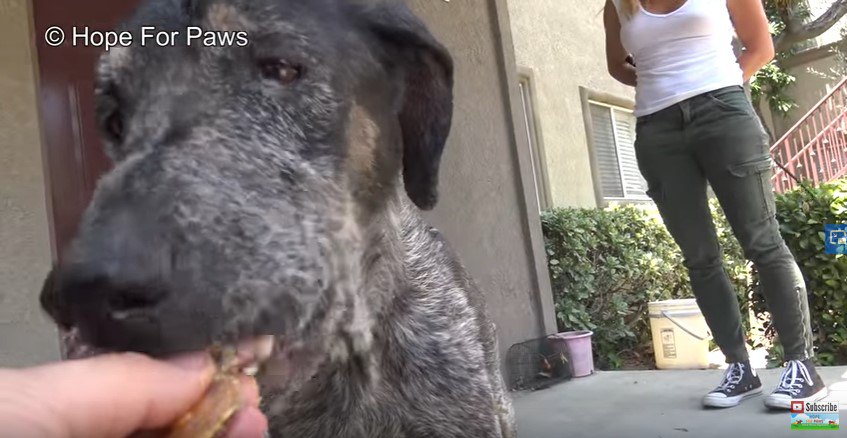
(127,304)
(123,286)
(51,300)
(97,293)
(114,304)
(115,286)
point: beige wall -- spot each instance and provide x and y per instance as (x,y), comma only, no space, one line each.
(26,337)
(562,43)
(482,209)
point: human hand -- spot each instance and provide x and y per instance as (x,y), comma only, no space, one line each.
(114,396)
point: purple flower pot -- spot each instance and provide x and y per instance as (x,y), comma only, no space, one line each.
(577,348)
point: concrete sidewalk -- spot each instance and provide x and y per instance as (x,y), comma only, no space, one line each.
(659,404)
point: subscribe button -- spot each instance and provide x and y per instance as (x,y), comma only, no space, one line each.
(822,415)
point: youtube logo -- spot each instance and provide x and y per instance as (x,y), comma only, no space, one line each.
(797,407)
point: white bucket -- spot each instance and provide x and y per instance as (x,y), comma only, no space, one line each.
(680,335)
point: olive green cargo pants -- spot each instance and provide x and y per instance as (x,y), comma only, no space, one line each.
(716,138)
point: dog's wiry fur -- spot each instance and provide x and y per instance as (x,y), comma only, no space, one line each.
(242,205)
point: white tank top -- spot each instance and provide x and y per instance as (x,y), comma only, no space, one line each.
(680,54)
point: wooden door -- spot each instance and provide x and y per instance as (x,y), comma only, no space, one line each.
(73,157)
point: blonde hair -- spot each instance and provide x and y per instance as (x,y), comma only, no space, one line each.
(630,6)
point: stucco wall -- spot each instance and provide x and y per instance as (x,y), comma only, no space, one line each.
(563,44)
(481,209)
(26,337)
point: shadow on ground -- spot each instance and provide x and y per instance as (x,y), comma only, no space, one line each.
(658,404)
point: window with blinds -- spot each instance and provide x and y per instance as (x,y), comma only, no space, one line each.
(614,150)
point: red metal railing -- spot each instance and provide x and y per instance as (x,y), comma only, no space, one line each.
(815,148)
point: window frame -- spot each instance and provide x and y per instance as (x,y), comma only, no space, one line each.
(612,103)
(532,128)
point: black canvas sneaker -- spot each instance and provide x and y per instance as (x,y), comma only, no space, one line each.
(739,382)
(799,382)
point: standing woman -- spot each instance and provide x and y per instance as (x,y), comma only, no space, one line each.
(695,126)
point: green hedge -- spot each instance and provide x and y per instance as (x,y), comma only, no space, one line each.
(607,264)
(802,214)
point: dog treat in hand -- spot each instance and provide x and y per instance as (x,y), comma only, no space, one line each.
(209,417)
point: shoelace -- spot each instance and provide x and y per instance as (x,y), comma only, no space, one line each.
(732,377)
(794,377)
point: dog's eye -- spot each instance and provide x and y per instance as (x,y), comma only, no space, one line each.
(109,114)
(280,71)
(115,126)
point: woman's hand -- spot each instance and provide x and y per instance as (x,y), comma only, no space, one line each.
(751,25)
(113,396)
(616,55)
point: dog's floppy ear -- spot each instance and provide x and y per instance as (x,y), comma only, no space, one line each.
(427,106)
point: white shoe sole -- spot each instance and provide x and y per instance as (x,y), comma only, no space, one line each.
(781,401)
(713,400)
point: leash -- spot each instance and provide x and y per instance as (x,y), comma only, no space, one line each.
(794,177)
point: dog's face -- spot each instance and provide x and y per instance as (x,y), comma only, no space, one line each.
(246,178)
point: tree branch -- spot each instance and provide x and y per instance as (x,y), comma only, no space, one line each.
(795,33)
(789,18)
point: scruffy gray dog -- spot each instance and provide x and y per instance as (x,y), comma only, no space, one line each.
(276,188)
